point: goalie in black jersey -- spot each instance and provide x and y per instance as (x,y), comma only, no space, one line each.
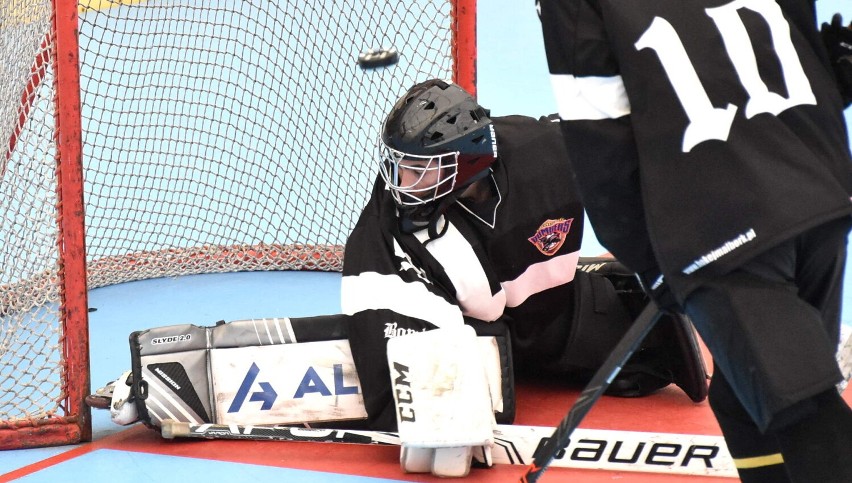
(712,156)
(462,273)
(476,219)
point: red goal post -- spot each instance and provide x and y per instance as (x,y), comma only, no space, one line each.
(147,139)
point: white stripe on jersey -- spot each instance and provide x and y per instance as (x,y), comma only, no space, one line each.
(462,266)
(589,98)
(540,277)
(371,290)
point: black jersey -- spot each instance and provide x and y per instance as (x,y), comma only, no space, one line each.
(511,258)
(702,132)
(508,261)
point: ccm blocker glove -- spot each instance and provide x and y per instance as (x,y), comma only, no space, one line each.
(443,403)
(658,290)
(838,40)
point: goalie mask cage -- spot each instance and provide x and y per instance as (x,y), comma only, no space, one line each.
(157,138)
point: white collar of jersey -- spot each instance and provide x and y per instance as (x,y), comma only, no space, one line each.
(493,216)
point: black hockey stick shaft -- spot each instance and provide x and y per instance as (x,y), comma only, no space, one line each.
(593,391)
(178,429)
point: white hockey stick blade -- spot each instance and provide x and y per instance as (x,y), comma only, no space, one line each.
(668,453)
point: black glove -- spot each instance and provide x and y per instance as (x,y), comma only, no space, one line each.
(623,280)
(838,40)
(657,288)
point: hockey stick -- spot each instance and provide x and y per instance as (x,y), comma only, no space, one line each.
(668,453)
(593,391)
(178,429)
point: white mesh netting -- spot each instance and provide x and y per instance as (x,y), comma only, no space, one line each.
(217,136)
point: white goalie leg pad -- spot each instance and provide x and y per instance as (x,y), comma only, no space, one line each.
(122,405)
(443,403)
(482,454)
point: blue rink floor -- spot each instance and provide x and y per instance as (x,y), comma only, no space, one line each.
(202,300)
(512,80)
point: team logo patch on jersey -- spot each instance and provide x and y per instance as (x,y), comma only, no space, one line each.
(551,235)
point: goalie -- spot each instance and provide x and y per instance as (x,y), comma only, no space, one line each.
(473,229)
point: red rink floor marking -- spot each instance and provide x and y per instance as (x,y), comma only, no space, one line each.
(538,404)
(667,411)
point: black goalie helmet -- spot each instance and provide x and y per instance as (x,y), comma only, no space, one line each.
(436,141)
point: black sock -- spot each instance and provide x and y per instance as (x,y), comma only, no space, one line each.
(764,473)
(818,448)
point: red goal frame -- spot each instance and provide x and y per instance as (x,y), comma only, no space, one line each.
(75,425)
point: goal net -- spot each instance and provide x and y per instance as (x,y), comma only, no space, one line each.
(153,138)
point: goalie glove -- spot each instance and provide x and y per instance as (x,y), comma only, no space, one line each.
(443,404)
(838,40)
(670,353)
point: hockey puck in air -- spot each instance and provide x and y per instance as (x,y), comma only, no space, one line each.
(375,58)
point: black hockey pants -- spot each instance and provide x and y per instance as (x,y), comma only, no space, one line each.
(772,327)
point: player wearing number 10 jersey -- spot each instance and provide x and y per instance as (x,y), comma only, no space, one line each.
(711,153)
